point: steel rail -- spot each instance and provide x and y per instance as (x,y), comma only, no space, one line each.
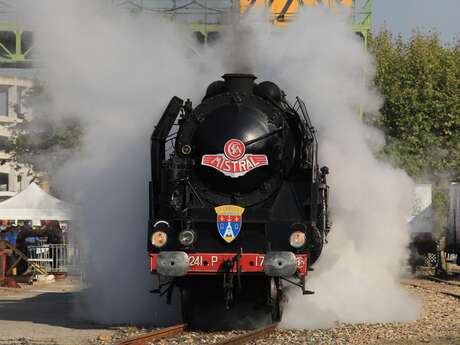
(250,336)
(438,280)
(161,333)
(433,289)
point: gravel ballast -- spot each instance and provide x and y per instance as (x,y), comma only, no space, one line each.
(439,324)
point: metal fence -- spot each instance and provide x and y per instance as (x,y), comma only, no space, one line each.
(54,258)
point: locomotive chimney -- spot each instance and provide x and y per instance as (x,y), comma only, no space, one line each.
(239,82)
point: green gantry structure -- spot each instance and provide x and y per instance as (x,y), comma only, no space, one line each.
(16,42)
(362,19)
(205,18)
(16,46)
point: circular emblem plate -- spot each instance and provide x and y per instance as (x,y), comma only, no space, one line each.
(234,149)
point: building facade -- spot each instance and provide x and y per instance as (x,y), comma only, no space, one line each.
(14,177)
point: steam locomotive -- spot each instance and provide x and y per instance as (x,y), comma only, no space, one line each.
(238,203)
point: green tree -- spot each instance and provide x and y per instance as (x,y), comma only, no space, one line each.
(42,141)
(419,79)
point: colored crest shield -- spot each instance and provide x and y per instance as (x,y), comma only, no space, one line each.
(229,220)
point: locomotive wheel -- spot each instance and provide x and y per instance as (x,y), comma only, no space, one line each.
(276,296)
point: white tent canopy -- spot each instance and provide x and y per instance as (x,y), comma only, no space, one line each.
(35,204)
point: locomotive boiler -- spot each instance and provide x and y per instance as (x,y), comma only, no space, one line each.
(238,203)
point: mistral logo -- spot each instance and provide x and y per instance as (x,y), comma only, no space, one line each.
(234,162)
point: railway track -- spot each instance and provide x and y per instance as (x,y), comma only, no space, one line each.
(435,287)
(439,280)
(155,335)
(250,336)
(178,329)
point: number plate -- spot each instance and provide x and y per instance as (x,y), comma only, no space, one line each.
(207,263)
(213,262)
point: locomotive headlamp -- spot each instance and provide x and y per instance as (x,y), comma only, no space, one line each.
(187,237)
(297,239)
(186,149)
(159,238)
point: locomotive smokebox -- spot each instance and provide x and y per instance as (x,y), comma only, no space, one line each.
(232,118)
(239,82)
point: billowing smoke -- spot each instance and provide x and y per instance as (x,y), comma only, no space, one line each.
(356,279)
(118,71)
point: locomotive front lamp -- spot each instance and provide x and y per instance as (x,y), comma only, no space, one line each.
(187,237)
(297,239)
(159,238)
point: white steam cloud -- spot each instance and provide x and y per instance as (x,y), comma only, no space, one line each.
(117,72)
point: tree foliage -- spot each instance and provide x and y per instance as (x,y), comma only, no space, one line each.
(420,81)
(43,140)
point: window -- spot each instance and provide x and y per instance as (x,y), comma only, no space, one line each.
(4,141)
(3,102)
(3,182)
(18,109)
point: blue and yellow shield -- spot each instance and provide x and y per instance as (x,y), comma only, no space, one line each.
(229,220)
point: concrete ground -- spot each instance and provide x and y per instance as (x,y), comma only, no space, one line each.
(43,314)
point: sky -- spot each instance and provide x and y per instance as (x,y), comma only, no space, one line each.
(402,16)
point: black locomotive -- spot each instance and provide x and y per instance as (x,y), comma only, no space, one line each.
(238,204)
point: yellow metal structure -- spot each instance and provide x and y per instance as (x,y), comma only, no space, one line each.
(283,11)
